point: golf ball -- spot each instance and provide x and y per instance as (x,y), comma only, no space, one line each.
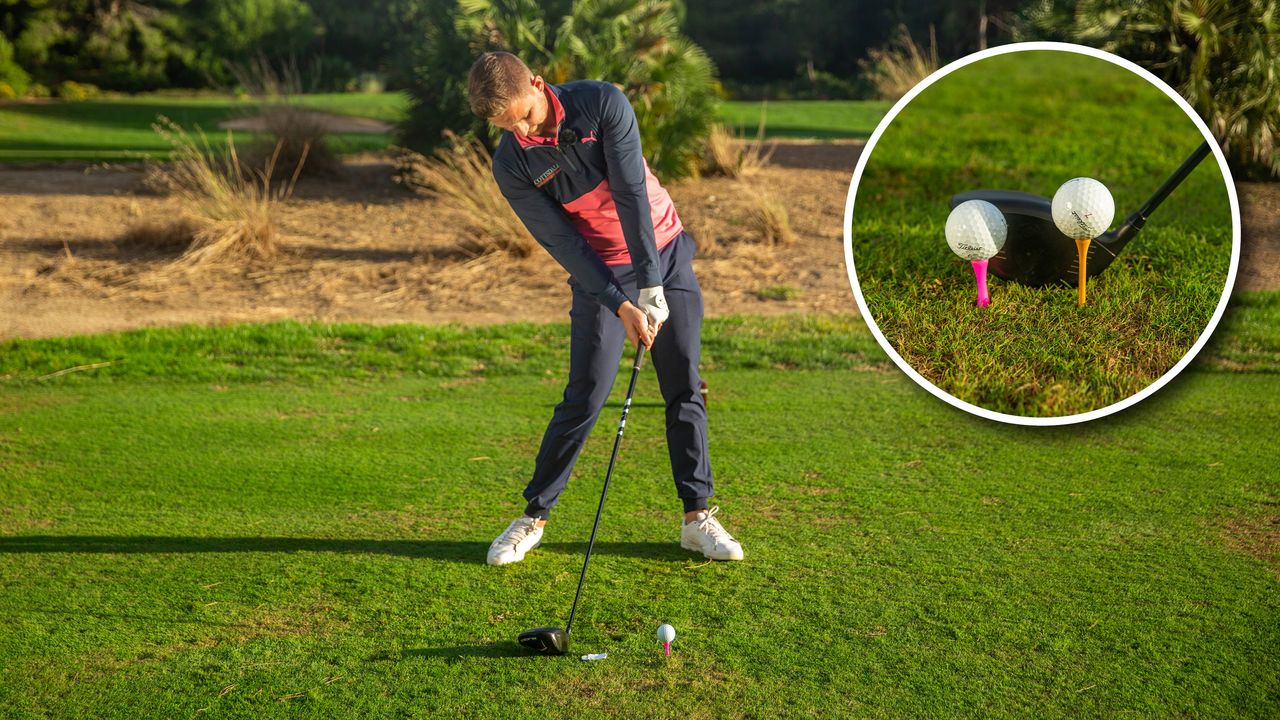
(666,633)
(1083,208)
(976,230)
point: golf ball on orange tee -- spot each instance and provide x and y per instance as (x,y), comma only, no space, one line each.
(1083,208)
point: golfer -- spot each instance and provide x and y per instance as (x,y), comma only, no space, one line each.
(570,165)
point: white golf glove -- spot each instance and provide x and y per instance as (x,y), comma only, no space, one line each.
(654,305)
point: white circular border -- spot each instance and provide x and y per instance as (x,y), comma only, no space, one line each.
(1019,419)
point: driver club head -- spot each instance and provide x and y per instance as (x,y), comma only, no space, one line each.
(1035,252)
(545,640)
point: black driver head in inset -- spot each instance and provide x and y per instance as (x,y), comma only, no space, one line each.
(1036,253)
(545,640)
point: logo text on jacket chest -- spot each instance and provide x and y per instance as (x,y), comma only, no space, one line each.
(546,176)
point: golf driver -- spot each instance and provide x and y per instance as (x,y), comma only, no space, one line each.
(553,640)
(1037,253)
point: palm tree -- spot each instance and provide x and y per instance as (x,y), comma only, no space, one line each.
(635,44)
(670,81)
(1223,56)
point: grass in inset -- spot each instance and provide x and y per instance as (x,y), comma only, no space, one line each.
(292,134)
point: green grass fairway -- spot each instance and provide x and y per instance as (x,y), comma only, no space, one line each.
(114,129)
(119,128)
(1029,122)
(823,119)
(291,521)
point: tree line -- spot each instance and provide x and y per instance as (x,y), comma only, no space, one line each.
(1224,57)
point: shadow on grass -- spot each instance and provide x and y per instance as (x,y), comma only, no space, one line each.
(617,405)
(151,619)
(496,650)
(465,552)
(643,550)
(435,550)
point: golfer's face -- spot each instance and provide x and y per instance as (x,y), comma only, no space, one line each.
(525,114)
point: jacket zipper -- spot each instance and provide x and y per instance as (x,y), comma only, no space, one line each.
(567,159)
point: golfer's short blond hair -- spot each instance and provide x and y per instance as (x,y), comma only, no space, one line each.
(495,80)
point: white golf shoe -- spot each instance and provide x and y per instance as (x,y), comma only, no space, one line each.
(707,536)
(521,536)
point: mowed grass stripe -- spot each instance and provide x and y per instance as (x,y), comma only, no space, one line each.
(119,128)
(819,119)
(315,350)
(1246,341)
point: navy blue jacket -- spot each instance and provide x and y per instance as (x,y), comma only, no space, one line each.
(587,196)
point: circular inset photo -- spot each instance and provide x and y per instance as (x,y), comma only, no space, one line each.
(1042,233)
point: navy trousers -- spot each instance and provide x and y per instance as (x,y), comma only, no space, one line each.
(595,349)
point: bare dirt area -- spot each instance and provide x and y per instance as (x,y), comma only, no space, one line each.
(360,248)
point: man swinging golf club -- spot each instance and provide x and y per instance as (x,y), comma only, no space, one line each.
(570,166)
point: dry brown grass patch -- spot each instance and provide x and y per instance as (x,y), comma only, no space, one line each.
(901,65)
(17,519)
(710,234)
(232,205)
(1257,536)
(460,176)
(732,156)
(769,219)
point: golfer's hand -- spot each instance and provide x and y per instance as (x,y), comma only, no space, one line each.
(654,304)
(637,324)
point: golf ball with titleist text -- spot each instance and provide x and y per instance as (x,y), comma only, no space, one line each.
(976,230)
(1083,208)
(666,633)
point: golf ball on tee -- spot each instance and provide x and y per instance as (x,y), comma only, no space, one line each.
(1083,208)
(666,633)
(976,230)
